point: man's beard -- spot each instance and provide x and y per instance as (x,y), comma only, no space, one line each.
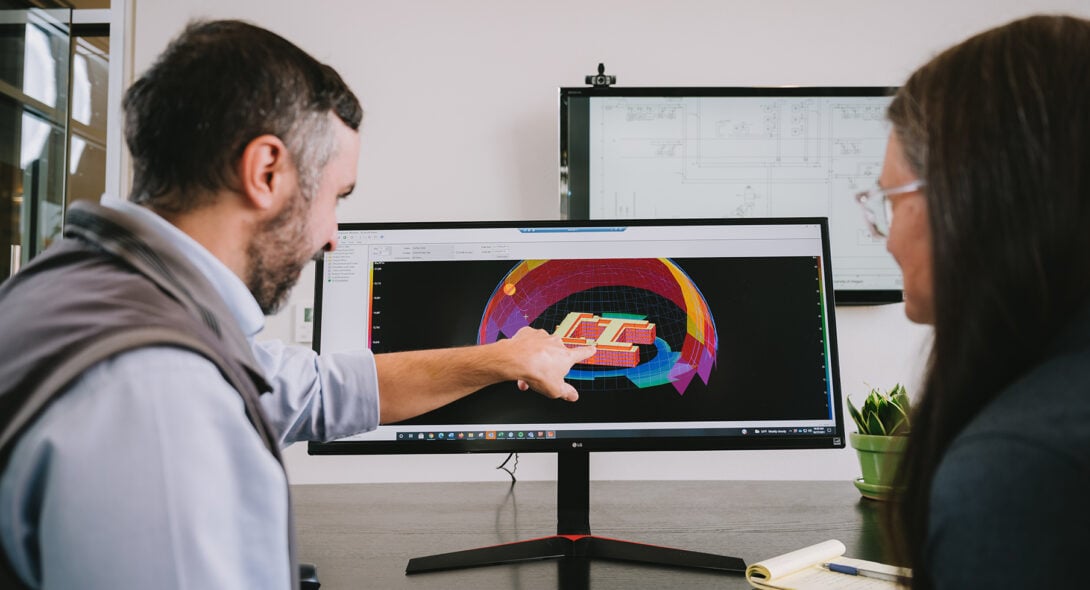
(277,254)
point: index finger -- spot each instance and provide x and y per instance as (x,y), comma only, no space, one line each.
(582,353)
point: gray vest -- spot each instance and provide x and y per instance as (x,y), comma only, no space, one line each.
(112,285)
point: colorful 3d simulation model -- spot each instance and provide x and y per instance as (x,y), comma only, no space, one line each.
(614,338)
(533,287)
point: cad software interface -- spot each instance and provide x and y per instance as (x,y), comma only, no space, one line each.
(700,330)
(744,156)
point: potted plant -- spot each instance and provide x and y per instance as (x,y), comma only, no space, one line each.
(883,424)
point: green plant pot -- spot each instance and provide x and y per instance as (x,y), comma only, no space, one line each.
(879,458)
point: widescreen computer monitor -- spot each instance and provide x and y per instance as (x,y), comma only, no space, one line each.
(709,335)
(734,152)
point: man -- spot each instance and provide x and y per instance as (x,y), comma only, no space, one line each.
(139,420)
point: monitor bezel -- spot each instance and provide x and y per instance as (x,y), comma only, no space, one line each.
(598,444)
(578,207)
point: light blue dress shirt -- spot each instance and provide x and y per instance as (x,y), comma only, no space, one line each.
(147,473)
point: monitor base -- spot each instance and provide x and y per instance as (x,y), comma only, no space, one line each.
(573,541)
(575,546)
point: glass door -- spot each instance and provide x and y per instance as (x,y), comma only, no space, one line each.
(35,56)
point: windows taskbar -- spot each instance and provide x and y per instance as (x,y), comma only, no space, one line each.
(506,435)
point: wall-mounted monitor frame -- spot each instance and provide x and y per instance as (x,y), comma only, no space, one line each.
(685,152)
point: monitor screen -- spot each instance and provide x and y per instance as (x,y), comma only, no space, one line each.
(739,152)
(710,334)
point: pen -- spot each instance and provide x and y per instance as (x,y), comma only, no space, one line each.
(855,571)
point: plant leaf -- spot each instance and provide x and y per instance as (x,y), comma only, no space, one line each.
(860,424)
(902,420)
(881,412)
(870,405)
(874,425)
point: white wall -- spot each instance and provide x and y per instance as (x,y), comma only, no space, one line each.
(461,123)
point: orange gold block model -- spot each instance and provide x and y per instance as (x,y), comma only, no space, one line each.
(615,338)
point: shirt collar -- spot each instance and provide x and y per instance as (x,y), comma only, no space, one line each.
(241,303)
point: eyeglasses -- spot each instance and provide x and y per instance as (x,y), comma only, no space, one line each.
(877,207)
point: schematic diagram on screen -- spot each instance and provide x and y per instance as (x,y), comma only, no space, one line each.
(746,157)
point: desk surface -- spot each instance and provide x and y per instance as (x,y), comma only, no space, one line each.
(361,536)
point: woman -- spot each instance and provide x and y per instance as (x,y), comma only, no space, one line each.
(987,177)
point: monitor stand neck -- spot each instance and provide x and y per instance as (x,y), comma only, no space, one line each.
(572,493)
(573,538)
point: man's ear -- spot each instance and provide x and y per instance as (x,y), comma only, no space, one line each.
(263,170)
